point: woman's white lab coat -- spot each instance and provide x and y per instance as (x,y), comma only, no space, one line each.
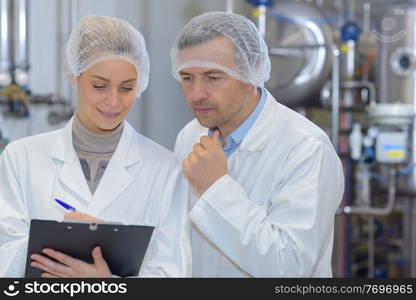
(141,184)
(273,214)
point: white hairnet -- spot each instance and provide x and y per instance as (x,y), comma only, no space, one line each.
(97,38)
(236,47)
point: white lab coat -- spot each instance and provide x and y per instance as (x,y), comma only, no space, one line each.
(273,214)
(138,187)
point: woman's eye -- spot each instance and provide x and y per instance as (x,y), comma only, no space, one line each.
(99,87)
(185,78)
(126,89)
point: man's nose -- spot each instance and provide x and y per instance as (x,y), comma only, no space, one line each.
(199,91)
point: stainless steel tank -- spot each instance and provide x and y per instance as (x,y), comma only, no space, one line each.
(397,60)
(5,42)
(20,42)
(396,81)
(299,68)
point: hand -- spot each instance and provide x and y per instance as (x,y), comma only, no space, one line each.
(206,163)
(80,217)
(67,266)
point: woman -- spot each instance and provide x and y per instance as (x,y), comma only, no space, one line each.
(98,163)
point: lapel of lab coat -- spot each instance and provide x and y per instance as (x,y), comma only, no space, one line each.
(259,135)
(69,173)
(116,177)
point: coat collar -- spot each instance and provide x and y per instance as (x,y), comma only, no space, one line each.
(256,138)
(117,177)
(64,150)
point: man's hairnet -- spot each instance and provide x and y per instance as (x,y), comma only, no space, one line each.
(236,47)
(98,38)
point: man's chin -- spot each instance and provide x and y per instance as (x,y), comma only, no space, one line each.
(206,123)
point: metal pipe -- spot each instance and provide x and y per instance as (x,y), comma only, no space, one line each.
(73,18)
(298,50)
(5,44)
(229,6)
(20,42)
(362,84)
(59,49)
(377,211)
(20,29)
(413,241)
(366,17)
(335,98)
(67,16)
(370,250)
(262,20)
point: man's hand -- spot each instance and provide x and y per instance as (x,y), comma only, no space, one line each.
(206,163)
(67,267)
(80,217)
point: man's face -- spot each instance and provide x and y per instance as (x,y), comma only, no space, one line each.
(215,98)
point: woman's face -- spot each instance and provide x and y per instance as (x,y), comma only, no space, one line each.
(106,92)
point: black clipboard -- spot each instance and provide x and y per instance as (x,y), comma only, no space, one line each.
(123,246)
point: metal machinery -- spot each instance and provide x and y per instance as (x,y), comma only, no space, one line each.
(350,66)
(14,56)
(16,98)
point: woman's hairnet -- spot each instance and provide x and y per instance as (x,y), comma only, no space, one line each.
(224,41)
(98,38)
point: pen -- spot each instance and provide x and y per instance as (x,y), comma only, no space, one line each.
(66,205)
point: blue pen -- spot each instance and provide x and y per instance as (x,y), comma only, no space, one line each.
(66,205)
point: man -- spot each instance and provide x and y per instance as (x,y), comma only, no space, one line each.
(265,181)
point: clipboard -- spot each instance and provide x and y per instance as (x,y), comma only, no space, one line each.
(123,246)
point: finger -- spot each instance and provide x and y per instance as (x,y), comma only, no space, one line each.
(48,275)
(100,263)
(216,137)
(208,143)
(53,266)
(192,158)
(185,164)
(98,256)
(61,257)
(198,148)
(186,167)
(44,268)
